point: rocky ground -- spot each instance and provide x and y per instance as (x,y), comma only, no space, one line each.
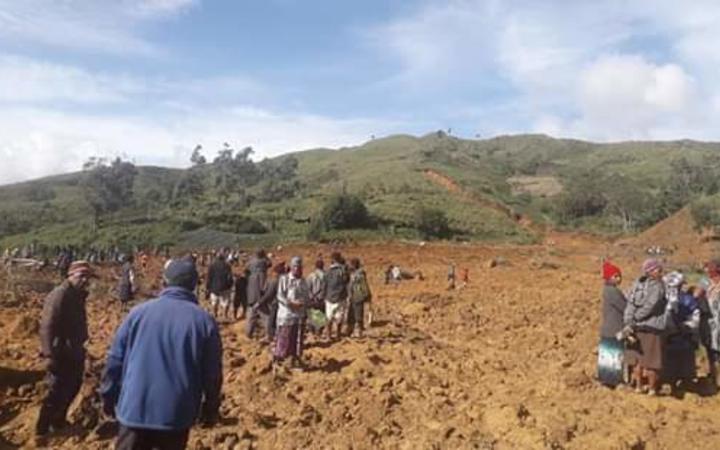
(507,362)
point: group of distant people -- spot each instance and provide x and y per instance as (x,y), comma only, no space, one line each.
(285,304)
(164,368)
(656,326)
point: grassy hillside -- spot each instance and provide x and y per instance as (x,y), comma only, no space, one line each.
(473,186)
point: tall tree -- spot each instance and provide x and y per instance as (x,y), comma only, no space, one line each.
(108,186)
(197,159)
(226,177)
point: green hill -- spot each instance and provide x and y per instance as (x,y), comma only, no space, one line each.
(501,189)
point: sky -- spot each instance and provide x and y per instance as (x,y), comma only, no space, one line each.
(148,80)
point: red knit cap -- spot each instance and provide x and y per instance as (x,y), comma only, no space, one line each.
(610,270)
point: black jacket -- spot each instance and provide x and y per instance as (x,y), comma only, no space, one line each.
(220,277)
(63,325)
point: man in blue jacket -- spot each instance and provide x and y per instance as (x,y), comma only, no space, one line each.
(164,367)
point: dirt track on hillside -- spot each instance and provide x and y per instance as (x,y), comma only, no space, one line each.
(507,362)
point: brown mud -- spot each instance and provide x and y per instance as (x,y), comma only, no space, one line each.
(506,363)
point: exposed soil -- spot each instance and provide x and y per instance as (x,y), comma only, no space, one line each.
(453,187)
(507,362)
(539,186)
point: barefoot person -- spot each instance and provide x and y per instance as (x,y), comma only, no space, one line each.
(63,332)
(336,281)
(646,316)
(164,367)
(220,284)
(293,297)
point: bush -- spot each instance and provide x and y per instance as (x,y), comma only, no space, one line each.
(432,223)
(343,212)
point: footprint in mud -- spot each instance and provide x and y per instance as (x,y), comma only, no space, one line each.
(331,365)
(267,421)
(377,360)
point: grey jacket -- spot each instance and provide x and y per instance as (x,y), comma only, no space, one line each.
(256,281)
(613,309)
(647,306)
(291,289)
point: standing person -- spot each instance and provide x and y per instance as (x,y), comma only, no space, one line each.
(610,350)
(451,277)
(646,316)
(240,297)
(292,298)
(316,287)
(164,367)
(359,294)
(126,284)
(219,284)
(705,335)
(63,262)
(258,267)
(265,309)
(712,270)
(465,277)
(63,332)
(681,341)
(336,281)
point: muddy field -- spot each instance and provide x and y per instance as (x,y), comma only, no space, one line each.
(507,362)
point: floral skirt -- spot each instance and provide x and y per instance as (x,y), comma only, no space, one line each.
(288,341)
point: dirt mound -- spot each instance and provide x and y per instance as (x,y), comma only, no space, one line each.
(674,232)
(674,238)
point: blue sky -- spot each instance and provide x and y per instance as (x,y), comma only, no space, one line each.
(149,79)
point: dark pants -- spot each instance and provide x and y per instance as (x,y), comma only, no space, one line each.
(356,314)
(143,439)
(64,382)
(239,301)
(267,314)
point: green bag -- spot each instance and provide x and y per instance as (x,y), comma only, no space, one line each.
(359,290)
(316,318)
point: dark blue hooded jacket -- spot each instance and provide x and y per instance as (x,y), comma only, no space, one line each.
(166,358)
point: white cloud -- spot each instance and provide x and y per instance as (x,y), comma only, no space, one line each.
(154,8)
(105,26)
(29,80)
(556,59)
(628,96)
(37,142)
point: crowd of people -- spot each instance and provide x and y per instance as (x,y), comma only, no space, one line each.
(650,333)
(164,368)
